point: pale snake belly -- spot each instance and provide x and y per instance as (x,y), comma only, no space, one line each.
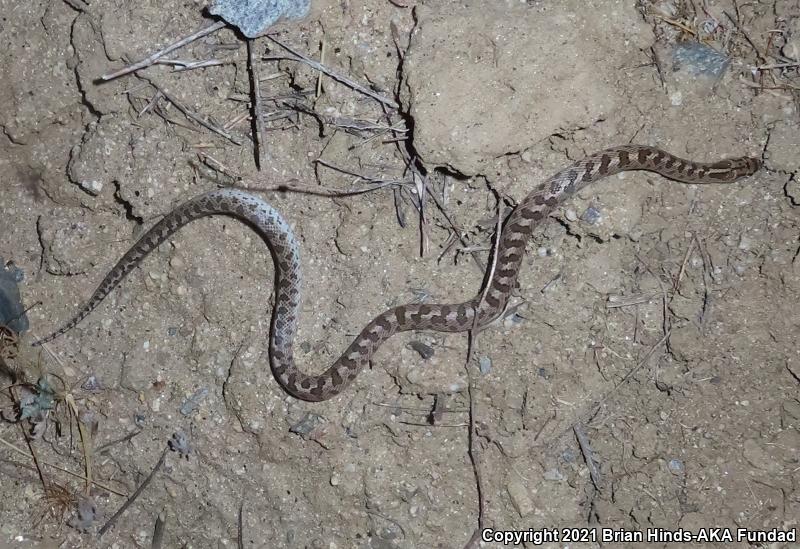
(488,305)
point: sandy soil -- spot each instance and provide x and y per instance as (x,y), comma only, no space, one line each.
(656,321)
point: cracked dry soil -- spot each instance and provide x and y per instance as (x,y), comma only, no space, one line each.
(660,319)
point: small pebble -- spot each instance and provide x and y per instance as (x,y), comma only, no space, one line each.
(179,442)
(571,214)
(698,59)
(513,320)
(591,216)
(520,499)
(485,364)
(92,187)
(191,404)
(92,384)
(675,466)
(307,424)
(425,351)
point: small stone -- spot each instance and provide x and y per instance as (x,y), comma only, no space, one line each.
(335,479)
(675,466)
(520,499)
(424,350)
(92,187)
(307,424)
(571,214)
(92,384)
(697,59)
(485,364)
(676,98)
(592,216)
(513,320)
(191,404)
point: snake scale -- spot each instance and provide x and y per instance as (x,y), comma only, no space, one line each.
(488,305)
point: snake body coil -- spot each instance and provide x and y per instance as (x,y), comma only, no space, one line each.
(271,226)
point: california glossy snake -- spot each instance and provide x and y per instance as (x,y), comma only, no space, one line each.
(271,226)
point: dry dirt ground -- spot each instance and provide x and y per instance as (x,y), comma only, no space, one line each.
(656,321)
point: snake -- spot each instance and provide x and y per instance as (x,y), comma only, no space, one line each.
(477,313)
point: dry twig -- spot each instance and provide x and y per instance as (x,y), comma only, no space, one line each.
(164,51)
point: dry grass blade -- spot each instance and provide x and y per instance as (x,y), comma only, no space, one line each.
(63,470)
(297,56)
(134,496)
(86,441)
(188,113)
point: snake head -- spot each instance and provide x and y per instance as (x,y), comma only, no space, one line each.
(732,169)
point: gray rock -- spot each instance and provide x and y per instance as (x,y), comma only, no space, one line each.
(12,312)
(252,17)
